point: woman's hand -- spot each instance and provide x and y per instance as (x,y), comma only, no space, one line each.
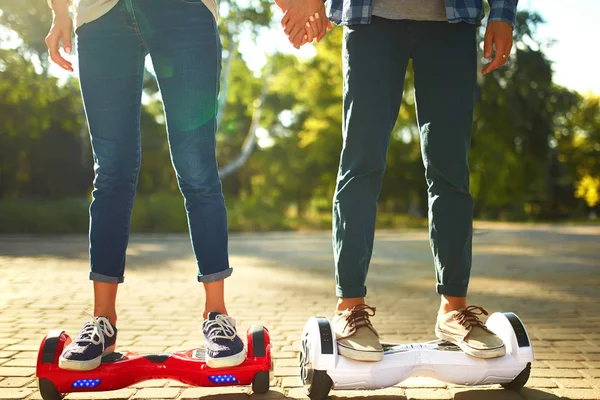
(61,30)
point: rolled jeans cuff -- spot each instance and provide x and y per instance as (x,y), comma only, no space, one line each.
(452,290)
(96,277)
(217,276)
(351,292)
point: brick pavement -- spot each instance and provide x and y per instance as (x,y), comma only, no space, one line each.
(550,276)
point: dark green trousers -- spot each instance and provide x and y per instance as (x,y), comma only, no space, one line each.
(375,57)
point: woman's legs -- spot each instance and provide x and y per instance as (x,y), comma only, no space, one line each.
(111,63)
(184,44)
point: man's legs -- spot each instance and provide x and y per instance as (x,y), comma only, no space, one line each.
(374,58)
(186,53)
(444,64)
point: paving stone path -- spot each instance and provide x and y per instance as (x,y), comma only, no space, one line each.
(548,275)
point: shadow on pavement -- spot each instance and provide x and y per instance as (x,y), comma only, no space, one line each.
(525,394)
(374,397)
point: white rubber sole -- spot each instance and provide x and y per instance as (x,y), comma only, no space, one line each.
(359,355)
(88,365)
(492,352)
(226,362)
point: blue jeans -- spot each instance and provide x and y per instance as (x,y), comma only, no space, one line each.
(183,42)
(375,58)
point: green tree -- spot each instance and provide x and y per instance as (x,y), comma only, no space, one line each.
(40,141)
(30,20)
(516,171)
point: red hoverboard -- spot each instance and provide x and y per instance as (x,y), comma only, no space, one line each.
(121,370)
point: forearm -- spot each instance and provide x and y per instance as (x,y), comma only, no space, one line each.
(503,10)
(60,7)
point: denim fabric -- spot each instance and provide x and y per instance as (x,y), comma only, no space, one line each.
(375,58)
(182,40)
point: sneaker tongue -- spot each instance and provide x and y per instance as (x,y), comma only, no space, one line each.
(106,321)
(86,332)
(212,315)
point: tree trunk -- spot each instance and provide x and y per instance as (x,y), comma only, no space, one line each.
(250,141)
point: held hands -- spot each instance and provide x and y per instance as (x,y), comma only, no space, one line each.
(498,34)
(61,29)
(304,20)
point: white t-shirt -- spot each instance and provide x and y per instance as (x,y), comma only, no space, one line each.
(89,10)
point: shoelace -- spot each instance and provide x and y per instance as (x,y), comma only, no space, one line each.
(97,328)
(223,327)
(357,317)
(469,317)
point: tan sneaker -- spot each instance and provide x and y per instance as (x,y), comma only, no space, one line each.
(356,337)
(464,329)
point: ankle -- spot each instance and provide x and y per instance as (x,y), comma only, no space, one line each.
(344,304)
(451,303)
(110,315)
(221,309)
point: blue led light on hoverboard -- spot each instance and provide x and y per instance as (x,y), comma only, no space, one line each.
(222,379)
(86,383)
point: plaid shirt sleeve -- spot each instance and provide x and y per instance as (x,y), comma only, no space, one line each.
(350,12)
(503,10)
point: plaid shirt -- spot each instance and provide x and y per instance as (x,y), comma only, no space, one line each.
(349,12)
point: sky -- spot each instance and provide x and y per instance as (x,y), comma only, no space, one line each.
(574,24)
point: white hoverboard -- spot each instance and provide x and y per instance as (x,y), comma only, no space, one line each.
(322,368)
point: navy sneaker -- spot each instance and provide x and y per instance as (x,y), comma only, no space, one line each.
(224,348)
(96,339)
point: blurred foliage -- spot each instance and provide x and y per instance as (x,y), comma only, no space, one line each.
(535,149)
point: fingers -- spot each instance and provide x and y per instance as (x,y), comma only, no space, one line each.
(328,27)
(297,39)
(294,28)
(296,34)
(319,20)
(498,38)
(312,29)
(301,31)
(309,34)
(53,41)
(67,43)
(488,42)
(508,46)
(291,23)
(287,29)
(496,62)
(322,25)
(285,20)
(501,56)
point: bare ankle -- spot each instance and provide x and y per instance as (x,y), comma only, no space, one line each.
(452,303)
(111,315)
(215,298)
(347,303)
(214,308)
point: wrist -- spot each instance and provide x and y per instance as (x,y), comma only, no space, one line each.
(60,7)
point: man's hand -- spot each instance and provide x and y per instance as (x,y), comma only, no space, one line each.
(62,28)
(498,34)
